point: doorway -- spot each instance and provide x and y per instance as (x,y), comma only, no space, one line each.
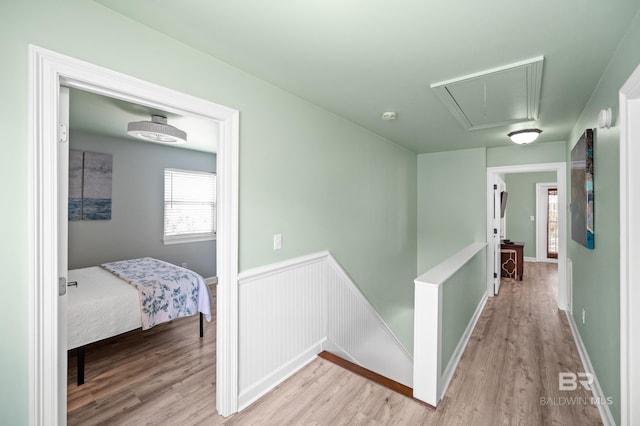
(48,72)
(495,173)
(629,123)
(547,214)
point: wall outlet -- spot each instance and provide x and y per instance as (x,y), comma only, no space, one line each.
(184,265)
(277,241)
(584,315)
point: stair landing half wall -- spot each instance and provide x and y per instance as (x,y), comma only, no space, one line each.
(291,311)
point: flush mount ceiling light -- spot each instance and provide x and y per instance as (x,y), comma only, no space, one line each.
(524,136)
(389,115)
(157,130)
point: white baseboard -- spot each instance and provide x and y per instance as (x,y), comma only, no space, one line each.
(257,390)
(542,260)
(462,344)
(605,412)
(290,311)
(211,280)
(530,259)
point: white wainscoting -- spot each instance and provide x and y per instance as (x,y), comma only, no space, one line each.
(291,311)
(356,331)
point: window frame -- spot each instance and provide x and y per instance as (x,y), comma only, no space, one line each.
(187,237)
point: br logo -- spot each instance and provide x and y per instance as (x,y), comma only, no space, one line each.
(568,381)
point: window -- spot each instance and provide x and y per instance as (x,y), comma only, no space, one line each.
(552,223)
(189,206)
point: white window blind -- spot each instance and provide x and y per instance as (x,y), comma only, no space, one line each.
(189,206)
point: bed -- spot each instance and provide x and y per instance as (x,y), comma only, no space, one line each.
(114,298)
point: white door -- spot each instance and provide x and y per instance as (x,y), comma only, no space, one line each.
(63,189)
(498,187)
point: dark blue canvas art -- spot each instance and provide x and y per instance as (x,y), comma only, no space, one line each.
(90,180)
(582,223)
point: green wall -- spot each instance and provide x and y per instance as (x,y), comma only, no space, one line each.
(462,293)
(451,215)
(535,153)
(452,199)
(321,181)
(596,275)
(521,204)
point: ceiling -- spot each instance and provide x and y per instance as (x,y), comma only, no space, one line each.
(360,58)
(108,116)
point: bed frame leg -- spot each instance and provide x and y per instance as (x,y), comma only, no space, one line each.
(201,326)
(80,365)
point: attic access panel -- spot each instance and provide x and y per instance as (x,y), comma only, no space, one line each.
(495,97)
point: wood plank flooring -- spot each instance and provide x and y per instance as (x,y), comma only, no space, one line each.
(507,375)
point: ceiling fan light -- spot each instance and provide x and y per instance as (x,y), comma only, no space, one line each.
(524,136)
(156,130)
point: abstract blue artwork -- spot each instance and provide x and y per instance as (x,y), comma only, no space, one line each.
(90,180)
(582,203)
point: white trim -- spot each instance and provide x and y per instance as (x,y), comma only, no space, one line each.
(561,174)
(629,123)
(211,280)
(529,259)
(533,69)
(257,390)
(190,238)
(345,278)
(301,306)
(265,271)
(603,408)
(437,275)
(47,71)
(335,349)
(569,285)
(394,361)
(462,344)
(427,334)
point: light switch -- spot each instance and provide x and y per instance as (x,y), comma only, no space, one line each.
(277,241)
(532,218)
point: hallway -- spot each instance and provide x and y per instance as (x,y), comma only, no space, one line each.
(507,375)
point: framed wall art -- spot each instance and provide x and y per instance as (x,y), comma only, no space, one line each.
(582,201)
(90,180)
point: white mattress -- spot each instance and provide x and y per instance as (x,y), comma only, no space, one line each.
(101,306)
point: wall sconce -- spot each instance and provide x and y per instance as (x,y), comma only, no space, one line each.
(605,118)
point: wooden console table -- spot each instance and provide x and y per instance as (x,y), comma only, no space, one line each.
(519,248)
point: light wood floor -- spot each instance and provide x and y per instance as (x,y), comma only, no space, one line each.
(507,375)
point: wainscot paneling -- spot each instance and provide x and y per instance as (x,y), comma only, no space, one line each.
(291,311)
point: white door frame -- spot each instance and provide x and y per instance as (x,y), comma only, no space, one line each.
(499,224)
(629,124)
(47,72)
(561,173)
(542,212)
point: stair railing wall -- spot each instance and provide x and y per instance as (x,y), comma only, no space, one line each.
(429,379)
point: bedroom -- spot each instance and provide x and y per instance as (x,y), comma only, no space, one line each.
(135,228)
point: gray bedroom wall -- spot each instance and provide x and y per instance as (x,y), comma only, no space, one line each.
(521,205)
(136,225)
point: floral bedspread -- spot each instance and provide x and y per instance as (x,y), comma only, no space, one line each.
(166,291)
